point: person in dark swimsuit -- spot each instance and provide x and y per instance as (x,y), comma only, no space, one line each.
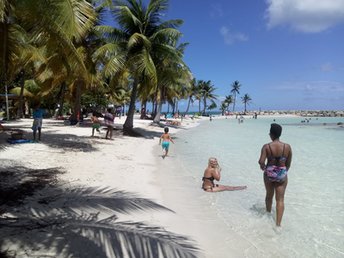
(275,161)
(213,172)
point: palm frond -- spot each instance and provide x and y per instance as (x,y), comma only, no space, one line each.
(47,219)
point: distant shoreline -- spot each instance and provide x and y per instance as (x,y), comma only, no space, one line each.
(302,113)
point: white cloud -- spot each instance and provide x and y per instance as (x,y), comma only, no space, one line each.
(316,87)
(231,37)
(216,11)
(305,15)
(327,67)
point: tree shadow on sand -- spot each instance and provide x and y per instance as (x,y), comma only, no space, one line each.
(40,215)
(149,134)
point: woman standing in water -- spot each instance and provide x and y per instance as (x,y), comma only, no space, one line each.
(275,160)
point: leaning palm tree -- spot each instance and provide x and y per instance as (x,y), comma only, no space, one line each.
(246,99)
(235,90)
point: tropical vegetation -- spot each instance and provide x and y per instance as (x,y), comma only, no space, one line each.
(77,62)
(235,90)
(246,99)
(61,55)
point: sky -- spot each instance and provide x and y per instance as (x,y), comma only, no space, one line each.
(287,54)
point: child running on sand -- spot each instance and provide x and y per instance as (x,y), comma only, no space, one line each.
(95,123)
(166,139)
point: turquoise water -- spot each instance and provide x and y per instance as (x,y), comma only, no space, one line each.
(313,221)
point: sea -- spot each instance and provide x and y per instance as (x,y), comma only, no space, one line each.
(313,221)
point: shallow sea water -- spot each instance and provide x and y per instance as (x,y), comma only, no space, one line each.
(313,221)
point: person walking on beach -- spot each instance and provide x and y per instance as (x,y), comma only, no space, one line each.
(213,172)
(109,122)
(37,122)
(165,139)
(275,161)
(95,123)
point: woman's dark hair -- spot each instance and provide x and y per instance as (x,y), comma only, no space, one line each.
(275,130)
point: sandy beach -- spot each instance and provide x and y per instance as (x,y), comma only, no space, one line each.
(131,182)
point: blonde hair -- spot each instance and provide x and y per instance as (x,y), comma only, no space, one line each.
(213,162)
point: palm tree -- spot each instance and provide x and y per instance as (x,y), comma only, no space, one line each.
(173,78)
(235,90)
(191,94)
(223,107)
(228,101)
(246,100)
(12,44)
(198,94)
(53,25)
(142,34)
(207,93)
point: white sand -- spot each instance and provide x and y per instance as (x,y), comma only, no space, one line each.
(134,165)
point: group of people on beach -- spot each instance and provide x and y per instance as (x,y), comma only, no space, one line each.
(275,160)
(109,119)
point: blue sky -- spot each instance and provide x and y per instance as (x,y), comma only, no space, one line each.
(287,54)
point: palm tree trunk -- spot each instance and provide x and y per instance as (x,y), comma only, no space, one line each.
(129,122)
(77,115)
(4,58)
(187,108)
(143,110)
(61,98)
(158,111)
(21,95)
(234,102)
(204,105)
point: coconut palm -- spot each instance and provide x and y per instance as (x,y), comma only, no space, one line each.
(228,101)
(142,35)
(13,42)
(246,99)
(235,90)
(191,94)
(212,105)
(223,107)
(198,94)
(53,25)
(173,77)
(207,93)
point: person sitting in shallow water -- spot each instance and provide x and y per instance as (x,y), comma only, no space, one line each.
(213,172)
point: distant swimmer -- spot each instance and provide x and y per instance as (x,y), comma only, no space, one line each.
(213,172)
(275,160)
